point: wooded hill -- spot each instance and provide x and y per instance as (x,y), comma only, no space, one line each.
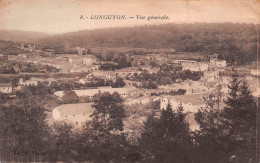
(237,43)
(234,42)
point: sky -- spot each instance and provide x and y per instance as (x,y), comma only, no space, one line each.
(61,16)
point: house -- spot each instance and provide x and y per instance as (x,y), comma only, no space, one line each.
(84,81)
(141,100)
(77,69)
(16,69)
(214,55)
(183,61)
(6,88)
(82,60)
(83,51)
(150,69)
(218,63)
(161,59)
(89,60)
(211,75)
(94,67)
(75,60)
(29,47)
(190,103)
(2,56)
(32,81)
(194,66)
(103,75)
(23,46)
(138,59)
(64,70)
(255,72)
(75,114)
(61,60)
(91,92)
(158,58)
(254,85)
(149,58)
(107,63)
(22,55)
(90,77)
(107,75)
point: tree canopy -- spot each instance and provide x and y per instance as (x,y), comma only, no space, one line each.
(167,138)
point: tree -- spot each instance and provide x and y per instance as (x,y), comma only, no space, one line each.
(54,85)
(61,139)
(104,140)
(100,82)
(181,91)
(228,134)
(211,142)
(167,139)
(122,62)
(8,69)
(119,83)
(219,94)
(70,97)
(149,85)
(104,147)
(40,90)
(153,64)
(108,56)
(165,80)
(24,132)
(232,99)
(4,98)
(109,112)
(155,105)
(240,121)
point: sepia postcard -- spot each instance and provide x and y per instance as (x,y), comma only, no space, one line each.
(120,81)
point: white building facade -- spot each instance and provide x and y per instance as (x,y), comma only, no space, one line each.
(75,114)
(6,88)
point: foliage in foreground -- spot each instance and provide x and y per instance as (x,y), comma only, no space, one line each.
(225,135)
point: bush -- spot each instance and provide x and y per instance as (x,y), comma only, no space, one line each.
(70,97)
(119,83)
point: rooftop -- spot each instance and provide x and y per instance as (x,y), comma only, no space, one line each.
(5,85)
(194,99)
(75,109)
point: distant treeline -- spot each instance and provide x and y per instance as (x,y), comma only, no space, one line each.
(10,48)
(234,42)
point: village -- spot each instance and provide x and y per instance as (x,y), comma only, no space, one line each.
(129,81)
(83,68)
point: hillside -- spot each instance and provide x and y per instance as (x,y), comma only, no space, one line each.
(195,36)
(21,36)
(234,42)
(237,43)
